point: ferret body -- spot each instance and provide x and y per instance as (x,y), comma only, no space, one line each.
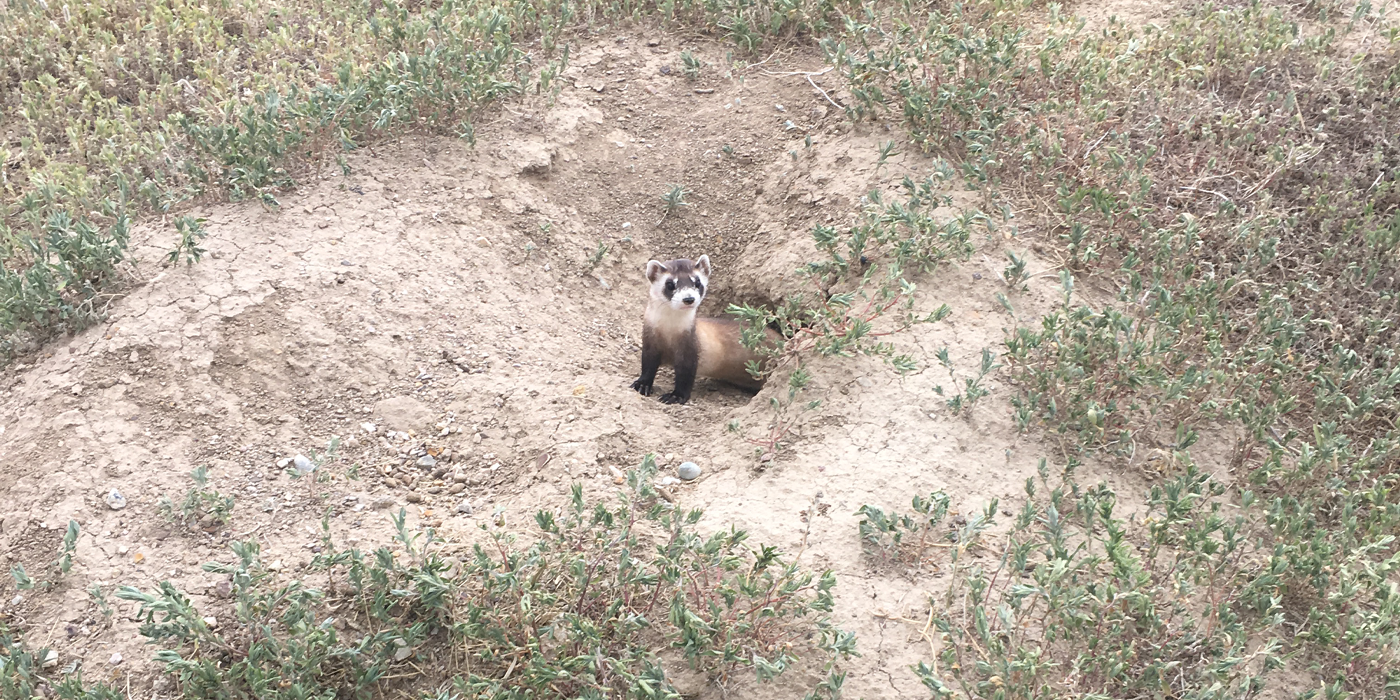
(673,335)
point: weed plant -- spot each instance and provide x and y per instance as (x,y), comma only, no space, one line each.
(1076,608)
(1230,176)
(200,506)
(582,607)
(858,295)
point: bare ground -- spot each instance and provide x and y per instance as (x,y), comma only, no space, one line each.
(444,292)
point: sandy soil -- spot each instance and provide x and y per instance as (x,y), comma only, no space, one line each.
(444,293)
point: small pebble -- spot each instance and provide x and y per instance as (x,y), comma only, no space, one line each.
(50,659)
(457,488)
(116,658)
(115,500)
(427,461)
(303,465)
(414,498)
(464,508)
(459,477)
(688,471)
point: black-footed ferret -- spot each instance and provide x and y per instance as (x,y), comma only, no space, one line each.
(672,335)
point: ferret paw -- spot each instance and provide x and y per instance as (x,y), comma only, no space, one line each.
(642,387)
(673,397)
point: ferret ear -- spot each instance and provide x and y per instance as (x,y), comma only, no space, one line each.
(654,270)
(703,265)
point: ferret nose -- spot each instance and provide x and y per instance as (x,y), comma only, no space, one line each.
(688,300)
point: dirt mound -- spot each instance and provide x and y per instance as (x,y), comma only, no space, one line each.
(446,311)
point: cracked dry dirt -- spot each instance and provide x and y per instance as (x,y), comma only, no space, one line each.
(443,292)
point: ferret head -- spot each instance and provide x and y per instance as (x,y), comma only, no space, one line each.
(680,283)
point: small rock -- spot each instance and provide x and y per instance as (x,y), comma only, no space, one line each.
(115,500)
(382,503)
(368,427)
(457,488)
(459,477)
(483,241)
(303,465)
(780,108)
(116,658)
(688,471)
(414,498)
(223,589)
(391,482)
(667,481)
(353,442)
(464,508)
(284,462)
(403,652)
(213,623)
(427,461)
(50,659)
(653,42)
(275,566)
(123,549)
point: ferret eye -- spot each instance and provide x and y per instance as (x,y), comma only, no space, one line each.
(670,285)
(699,286)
